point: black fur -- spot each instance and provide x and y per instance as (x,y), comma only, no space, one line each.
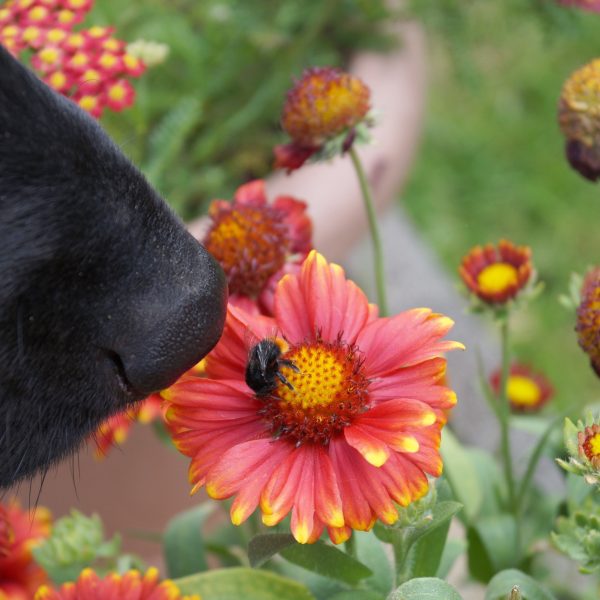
(104,296)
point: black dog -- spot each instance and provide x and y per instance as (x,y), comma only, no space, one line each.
(104,296)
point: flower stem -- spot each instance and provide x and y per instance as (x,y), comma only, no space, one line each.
(534,460)
(504,414)
(372,217)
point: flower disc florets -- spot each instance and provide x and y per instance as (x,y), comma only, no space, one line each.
(255,241)
(589,444)
(130,586)
(496,275)
(588,318)
(324,104)
(579,119)
(325,390)
(350,426)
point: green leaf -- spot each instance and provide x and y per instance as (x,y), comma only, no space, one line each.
(492,546)
(452,550)
(326,560)
(243,583)
(262,547)
(184,543)
(427,543)
(168,138)
(501,585)
(461,474)
(371,552)
(425,588)
(491,482)
(357,595)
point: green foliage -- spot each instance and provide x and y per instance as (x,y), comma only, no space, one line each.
(419,544)
(263,547)
(425,588)
(328,561)
(77,542)
(504,583)
(461,473)
(372,553)
(249,584)
(493,545)
(207,118)
(184,548)
(492,162)
(578,534)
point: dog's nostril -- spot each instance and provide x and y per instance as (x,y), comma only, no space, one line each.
(166,338)
(121,374)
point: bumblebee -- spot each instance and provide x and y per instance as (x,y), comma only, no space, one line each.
(262,370)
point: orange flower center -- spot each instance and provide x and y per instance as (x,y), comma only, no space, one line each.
(326,390)
(323,104)
(522,391)
(251,244)
(497,277)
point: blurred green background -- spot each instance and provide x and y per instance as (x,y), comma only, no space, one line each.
(491,164)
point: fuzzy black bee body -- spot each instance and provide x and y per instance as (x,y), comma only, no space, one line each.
(262,369)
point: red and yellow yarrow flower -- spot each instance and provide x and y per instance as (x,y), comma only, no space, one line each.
(130,586)
(526,390)
(496,275)
(322,105)
(591,5)
(588,318)
(353,430)
(20,531)
(88,66)
(579,119)
(115,430)
(256,242)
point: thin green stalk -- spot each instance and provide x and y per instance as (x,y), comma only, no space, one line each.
(534,460)
(374,229)
(504,414)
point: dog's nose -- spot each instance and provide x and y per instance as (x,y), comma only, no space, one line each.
(174,323)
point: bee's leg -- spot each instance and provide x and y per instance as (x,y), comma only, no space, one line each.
(284,380)
(284,362)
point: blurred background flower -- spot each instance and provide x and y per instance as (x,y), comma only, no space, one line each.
(526,389)
(129,586)
(496,274)
(324,104)
(20,531)
(579,119)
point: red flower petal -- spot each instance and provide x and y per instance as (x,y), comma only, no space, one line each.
(320,301)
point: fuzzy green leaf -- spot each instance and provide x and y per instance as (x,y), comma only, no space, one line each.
(425,588)
(184,543)
(263,547)
(502,584)
(326,560)
(492,546)
(240,582)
